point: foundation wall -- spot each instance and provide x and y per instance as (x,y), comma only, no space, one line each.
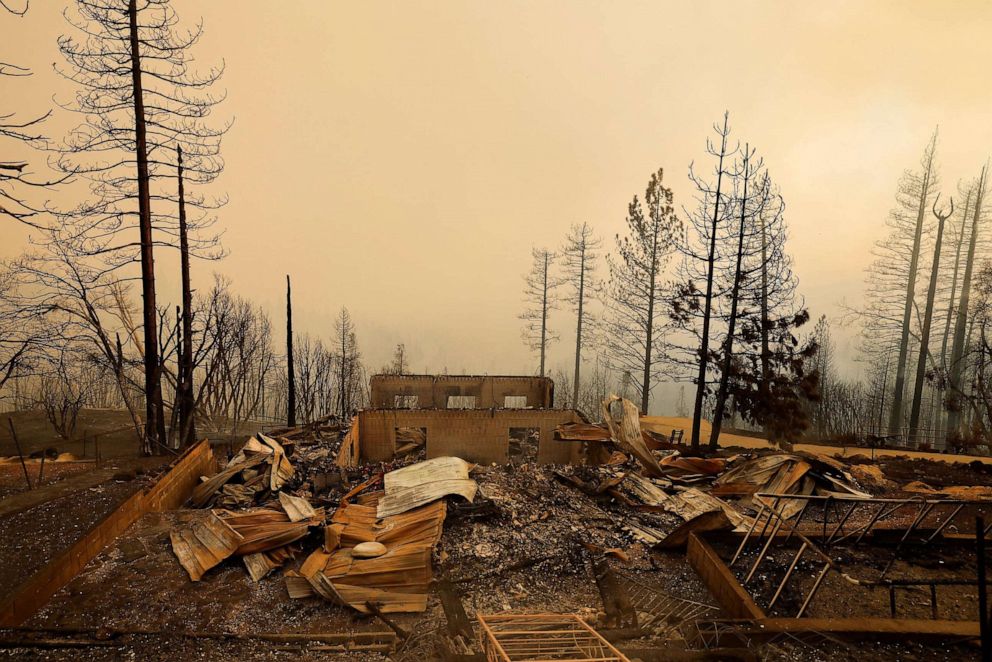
(481,436)
(169,492)
(432,391)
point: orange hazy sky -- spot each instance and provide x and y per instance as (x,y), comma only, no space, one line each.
(401,158)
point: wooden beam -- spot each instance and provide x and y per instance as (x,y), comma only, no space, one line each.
(871,627)
(721,583)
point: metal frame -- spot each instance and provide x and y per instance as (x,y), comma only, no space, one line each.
(709,634)
(920,508)
(541,638)
(661,608)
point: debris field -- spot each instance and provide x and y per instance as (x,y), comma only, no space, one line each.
(636,552)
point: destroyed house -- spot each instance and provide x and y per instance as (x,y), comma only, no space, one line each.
(461,392)
(482,419)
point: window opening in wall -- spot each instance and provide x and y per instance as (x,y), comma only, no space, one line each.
(523,444)
(461,402)
(405,401)
(410,440)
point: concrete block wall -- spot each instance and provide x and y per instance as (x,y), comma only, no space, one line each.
(481,436)
(432,391)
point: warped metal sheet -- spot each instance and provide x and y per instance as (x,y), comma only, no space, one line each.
(204,544)
(582,432)
(206,489)
(398,580)
(297,508)
(627,433)
(424,482)
(263,529)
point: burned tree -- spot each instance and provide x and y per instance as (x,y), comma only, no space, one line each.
(634,315)
(314,374)
(771,317)
(579,264)
(956,368)
(347,358)
(541,298)
(290,359)
(185,400)
(916,191)
(28,330)
(400,364)
(924,351)
(237,357)
(140,101)
(691,308)
(979,401)
(747,319)
(823,363)
(749,168)
(89,306)
(16,177)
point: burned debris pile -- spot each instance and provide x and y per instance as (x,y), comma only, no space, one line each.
(453,556)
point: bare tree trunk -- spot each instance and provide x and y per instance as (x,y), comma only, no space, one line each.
(881,392)
(177,418)
(185,399)
(344,374)
(118,364)
(921,363)
(765,351)
(961,323)
(154,410)
(544,313)
(895,414)
(649,335)
(290,370)
(721,399)
(954,282)
(704,348)
(578,327)
(942,414)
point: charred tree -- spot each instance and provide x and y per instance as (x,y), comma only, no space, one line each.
(962,233)
(346,359)
(540,298)
(634,315)
(925,187)
(956,368)
(185,398)
(692,308)
(748,169)
(921,363)
(290,362)
(579,263)
(138,96)
(154,409)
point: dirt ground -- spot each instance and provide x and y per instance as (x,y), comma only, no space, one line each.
(746,442)
(904,469)
(138,582)
(33,537)
(107,432)
(12,479)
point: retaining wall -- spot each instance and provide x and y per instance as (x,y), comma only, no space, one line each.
(168,493)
